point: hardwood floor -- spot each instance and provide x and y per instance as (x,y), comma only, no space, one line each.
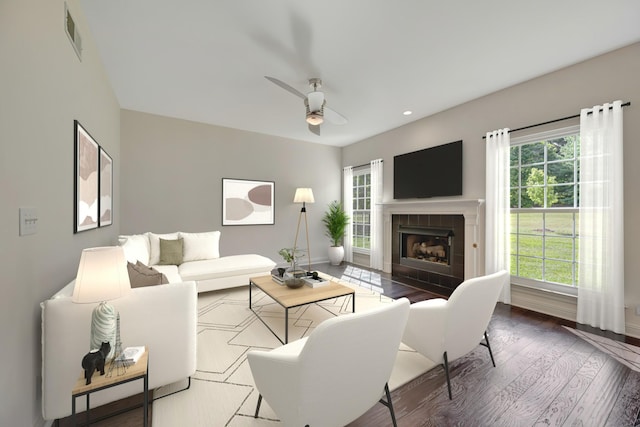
(545,375)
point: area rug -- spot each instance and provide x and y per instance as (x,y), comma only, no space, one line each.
(222,391)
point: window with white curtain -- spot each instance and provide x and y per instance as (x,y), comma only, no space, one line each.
(545,174)
(361,219)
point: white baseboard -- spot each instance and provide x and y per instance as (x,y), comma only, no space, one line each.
(562,306)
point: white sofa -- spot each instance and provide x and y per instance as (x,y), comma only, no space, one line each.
(163,318)
(201,260)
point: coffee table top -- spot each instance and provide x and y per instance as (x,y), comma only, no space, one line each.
(288,297)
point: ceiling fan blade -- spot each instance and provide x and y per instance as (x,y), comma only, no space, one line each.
(334,117)
(315,129)
(286,87)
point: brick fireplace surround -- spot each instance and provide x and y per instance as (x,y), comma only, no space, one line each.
(468,219)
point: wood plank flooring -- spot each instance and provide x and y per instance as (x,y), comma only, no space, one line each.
(545,376)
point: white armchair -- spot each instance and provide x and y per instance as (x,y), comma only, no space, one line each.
(445,330)
(335,374)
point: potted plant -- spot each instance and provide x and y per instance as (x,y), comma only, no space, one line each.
(292,276)
(336,222)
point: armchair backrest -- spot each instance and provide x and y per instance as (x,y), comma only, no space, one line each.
(469,310)
(346,362)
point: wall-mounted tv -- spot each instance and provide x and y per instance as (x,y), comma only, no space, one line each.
(432,172)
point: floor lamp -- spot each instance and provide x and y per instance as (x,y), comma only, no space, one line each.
(304,196)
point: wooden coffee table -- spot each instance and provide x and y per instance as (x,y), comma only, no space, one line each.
(290,298)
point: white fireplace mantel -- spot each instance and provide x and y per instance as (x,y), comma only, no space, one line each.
(471,209)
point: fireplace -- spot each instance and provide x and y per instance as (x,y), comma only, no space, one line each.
(426,248)
(452,236)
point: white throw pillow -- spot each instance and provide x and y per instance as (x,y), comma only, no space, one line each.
(200,246)
(154,245)
(135,247)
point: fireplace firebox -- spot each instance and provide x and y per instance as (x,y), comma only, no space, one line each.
(426,248)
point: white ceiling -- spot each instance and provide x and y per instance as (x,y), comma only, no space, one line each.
(205,60)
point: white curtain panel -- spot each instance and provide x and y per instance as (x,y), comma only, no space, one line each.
(376,221)
(497,206)
(347,203)
(601,262)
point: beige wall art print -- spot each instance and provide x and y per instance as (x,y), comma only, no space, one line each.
(246,202)
(86,180)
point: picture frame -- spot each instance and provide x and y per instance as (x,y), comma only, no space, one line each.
(105,203)
(86,179)
(248,202)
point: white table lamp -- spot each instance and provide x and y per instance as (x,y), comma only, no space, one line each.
(102,276)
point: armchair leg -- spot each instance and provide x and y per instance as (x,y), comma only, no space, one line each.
(446,371)
(389,405)
(258,407)
(486,344)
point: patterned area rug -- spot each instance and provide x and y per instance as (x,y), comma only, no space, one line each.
(222,391)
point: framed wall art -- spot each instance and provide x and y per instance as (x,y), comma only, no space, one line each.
(246,202)
(86,180)
(105,204)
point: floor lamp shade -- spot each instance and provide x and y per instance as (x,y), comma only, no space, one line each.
(102,276)
(303,195)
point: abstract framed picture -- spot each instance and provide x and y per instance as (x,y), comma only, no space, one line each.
(86,179)
(246,202)
(105,204)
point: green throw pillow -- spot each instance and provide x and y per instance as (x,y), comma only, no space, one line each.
(170,252)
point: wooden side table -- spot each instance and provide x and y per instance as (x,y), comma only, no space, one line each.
(100,382)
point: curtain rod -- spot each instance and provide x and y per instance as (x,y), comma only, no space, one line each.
(361,166)
(575,116)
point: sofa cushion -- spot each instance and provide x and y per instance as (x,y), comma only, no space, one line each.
(171,252)
(199,246)
(222,267)
(135,247)
(154,245)
(140,275)
(170,272)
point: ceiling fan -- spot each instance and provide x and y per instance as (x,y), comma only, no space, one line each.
(315,104)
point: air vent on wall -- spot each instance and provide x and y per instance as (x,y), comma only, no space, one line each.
(72,32)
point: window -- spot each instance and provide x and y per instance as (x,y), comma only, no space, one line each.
(361,210)
(545,174)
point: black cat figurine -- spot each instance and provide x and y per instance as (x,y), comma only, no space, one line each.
(94,361)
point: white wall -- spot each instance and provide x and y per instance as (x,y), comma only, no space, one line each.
(43,88)
(172,180)
(562,93)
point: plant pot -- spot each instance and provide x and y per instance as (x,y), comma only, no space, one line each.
(336,254)
(293,277)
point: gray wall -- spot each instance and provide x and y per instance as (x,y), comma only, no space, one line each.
(562,93)
(172,174)
(43,88)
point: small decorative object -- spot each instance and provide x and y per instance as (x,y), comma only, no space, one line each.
(336,222)
(281,271)
(94,361)
(292,276)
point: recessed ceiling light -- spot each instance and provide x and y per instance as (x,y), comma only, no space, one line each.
(408,113)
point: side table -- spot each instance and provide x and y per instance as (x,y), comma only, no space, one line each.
(138,371)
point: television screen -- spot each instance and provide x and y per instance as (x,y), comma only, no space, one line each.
(432,172)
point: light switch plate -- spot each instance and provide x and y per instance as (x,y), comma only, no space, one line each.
(28,221)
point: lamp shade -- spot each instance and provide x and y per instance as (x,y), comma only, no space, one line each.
(303,195)
(102,275)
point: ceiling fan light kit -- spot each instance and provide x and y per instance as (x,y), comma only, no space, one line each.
(315,103)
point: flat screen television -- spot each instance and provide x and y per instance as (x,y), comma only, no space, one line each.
(432,172)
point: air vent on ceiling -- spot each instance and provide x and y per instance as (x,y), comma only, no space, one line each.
(72,32)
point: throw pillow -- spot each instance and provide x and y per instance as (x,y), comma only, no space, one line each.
(200,246)
(135,247)
(170,252)
(154,245)
(140,275)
